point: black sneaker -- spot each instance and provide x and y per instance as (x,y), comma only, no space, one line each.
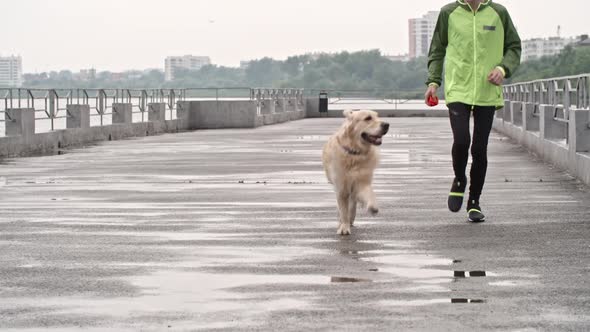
(456,195)
(474,211)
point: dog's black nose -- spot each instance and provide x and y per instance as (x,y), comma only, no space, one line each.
(385,126)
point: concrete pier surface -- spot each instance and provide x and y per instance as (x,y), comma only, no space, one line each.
(235,229)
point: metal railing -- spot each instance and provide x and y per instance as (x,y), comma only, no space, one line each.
(393,97)
(551,117)
(293,97)
(564,93)
(51,104)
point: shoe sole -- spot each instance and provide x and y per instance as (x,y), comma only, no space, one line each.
(476,220)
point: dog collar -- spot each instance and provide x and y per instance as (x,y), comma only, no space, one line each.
(349,150)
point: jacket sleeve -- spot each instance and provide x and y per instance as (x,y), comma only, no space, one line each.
(512,46)
(438,49)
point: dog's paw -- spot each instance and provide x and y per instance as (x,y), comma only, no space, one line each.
(343,230)
(373,210)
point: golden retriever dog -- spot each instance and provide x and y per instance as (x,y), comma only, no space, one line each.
(350,156)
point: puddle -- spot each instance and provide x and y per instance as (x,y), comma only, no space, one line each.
(349,252)
(464,300)
(511,283)
(420,303)
(471,274)
(347,280)
(416,267)
(194,293)
(172,236)
(413,303)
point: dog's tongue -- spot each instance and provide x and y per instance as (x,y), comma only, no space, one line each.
(378,140)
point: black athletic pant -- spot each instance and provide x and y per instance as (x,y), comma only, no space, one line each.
(483,117)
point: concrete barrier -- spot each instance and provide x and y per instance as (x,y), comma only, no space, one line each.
(530,122)
(20,122)
(21,139)
(122,113)
(267,106)
(157,112)
(290,105)
(312,107)
(280,105)
(212,114)
(52,142)
(183,114)
(564,143)
(78,116)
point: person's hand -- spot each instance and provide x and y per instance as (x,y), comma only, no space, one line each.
(496,77)
(430,92)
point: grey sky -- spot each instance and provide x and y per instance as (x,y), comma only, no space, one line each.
(125,34)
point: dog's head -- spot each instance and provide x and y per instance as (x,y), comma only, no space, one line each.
(365,127)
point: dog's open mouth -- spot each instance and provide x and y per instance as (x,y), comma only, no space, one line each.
(373,139)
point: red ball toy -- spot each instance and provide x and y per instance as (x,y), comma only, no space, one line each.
(432,101)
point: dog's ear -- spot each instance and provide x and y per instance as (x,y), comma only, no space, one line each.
(348,113)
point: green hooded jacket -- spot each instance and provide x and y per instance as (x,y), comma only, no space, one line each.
(471,44)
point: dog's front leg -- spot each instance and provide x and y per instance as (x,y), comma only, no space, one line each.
(367,198)
(352,200)
(343,209)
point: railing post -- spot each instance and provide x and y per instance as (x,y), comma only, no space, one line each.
(101,104)
(52,95)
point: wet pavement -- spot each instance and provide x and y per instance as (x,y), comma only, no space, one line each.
(236,230)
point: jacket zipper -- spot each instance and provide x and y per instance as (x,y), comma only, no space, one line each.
(474,55)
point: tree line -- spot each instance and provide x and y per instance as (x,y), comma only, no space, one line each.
(363,70)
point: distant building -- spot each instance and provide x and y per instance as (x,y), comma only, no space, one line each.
(189,62)
(539,47)
(420,33)
(11,71)
(401,57)
(87,74)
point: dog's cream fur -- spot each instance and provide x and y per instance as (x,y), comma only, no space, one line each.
(349,159)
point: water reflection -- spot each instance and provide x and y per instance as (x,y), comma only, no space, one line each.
(472,274)
(348,279)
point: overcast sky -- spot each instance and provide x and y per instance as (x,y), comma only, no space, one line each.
(137,34)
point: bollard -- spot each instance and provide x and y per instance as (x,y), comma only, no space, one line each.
(280,105)
(581,129)
(551,128)
(516,108)
(157,112)
(78,116)
(312,107)
(122,113)
(20,121)
(267,106)
(183,111)
(507,111)
(530,121)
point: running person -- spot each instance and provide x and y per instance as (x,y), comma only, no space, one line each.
(480,47)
